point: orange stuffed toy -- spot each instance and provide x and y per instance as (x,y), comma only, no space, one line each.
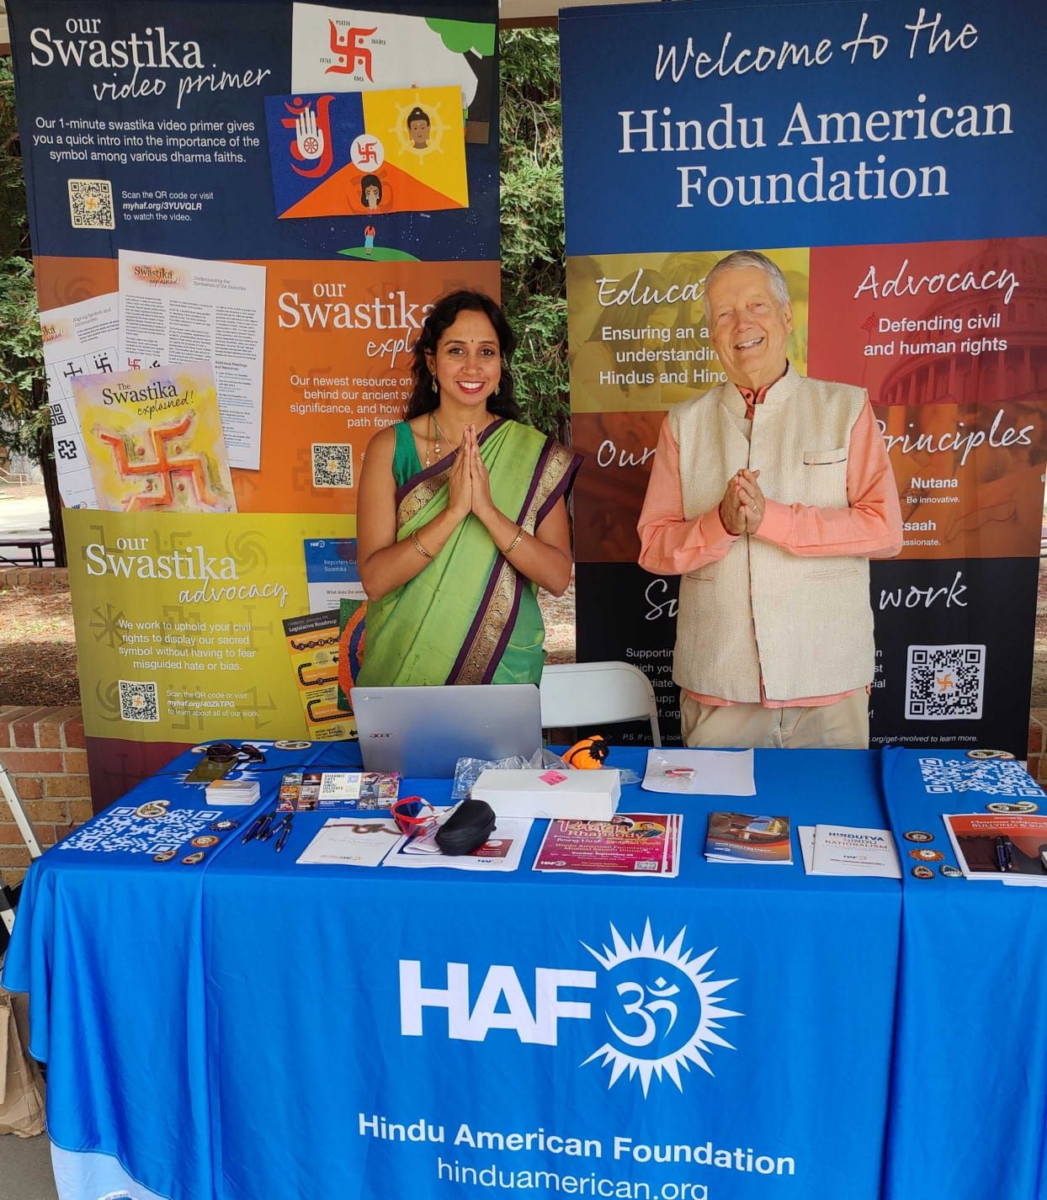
(589,754)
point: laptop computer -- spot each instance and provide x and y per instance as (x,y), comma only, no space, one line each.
(424,731)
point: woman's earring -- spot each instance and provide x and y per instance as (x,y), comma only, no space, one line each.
(435,388)
(498,390)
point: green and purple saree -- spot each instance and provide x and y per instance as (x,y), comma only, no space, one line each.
(469,617)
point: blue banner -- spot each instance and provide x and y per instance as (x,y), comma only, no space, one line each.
(880,155)
(692,125)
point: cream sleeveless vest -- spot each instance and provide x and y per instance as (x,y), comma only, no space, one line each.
(805,623)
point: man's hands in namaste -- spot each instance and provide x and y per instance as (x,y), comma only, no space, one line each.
(742,506)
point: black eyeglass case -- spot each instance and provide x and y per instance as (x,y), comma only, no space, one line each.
(467,829)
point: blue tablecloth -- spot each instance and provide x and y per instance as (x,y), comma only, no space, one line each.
(248,1027)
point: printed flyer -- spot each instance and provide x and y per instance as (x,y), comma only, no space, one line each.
(154,440)
(79,339)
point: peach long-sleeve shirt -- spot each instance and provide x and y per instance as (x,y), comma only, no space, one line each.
(870,527)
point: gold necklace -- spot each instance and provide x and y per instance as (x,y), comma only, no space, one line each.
(435,446)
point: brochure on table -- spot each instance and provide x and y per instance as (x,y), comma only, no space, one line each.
(1009,848)
(351,843)
(841,850)
(740,838)
(628,844)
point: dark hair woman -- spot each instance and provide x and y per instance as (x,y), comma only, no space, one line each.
(462,515)
(373,185)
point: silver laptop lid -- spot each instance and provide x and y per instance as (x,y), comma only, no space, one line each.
(423,731)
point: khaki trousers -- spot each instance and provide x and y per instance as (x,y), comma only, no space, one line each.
(840,726)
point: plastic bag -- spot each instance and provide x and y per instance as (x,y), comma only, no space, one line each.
(468,770)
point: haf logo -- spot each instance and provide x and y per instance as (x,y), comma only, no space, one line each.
(658,1007)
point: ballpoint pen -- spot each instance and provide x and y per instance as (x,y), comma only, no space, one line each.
(284,832)
(254,828)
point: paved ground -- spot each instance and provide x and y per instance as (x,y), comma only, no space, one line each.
(23,510)
(25,1169)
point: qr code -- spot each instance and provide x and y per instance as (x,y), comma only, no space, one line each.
(332,465)
(945,683)
(91,204)
(121,829)
(995,777)
(138,701)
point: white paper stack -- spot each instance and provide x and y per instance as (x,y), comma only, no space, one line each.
(227,793)
(700,772)
(351,843)
(563,795)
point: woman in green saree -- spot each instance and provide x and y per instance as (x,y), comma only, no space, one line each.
(462,516)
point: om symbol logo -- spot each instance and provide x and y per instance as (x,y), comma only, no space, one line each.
(663,1009)
(659,1002)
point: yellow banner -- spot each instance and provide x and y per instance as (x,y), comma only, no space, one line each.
(180,621)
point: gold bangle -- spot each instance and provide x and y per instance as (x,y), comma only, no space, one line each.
(419,547)
(515,542)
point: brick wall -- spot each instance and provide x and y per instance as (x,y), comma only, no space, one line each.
(43,750)
(23,576)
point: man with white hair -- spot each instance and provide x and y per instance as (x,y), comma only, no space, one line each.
(768,495)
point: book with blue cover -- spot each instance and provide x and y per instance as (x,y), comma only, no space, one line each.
(742,838)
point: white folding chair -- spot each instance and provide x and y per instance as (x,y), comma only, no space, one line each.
(597,693)
(25,828)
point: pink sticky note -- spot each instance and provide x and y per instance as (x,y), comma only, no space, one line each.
(552,778)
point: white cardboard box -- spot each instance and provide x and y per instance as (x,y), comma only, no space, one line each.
(565,795)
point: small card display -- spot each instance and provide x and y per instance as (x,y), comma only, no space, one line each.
(352,791)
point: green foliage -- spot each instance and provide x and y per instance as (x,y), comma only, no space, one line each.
(23,415)
(462,36)
(533,279)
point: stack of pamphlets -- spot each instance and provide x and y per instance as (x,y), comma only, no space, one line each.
(841,850)
(1009,847)
(351,843)
(627,844)
(350,791)
(501,852)
(740,838)
(225,793)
